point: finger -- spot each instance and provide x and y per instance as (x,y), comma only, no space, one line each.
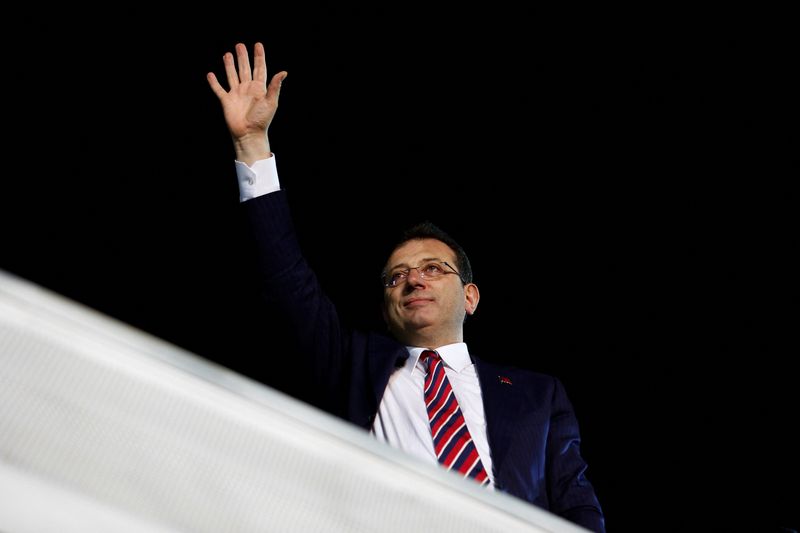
(215,85)
(275,84)
(230,70)
(244,63)
(259,63)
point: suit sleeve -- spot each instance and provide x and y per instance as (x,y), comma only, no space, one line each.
(291,286)
(571,494)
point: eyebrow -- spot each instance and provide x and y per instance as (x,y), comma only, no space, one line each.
(424,260)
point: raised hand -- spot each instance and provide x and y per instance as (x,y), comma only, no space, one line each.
(250,104)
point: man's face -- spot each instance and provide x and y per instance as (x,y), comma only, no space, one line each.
(426,309)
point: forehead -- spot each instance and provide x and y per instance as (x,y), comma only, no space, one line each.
(413,251)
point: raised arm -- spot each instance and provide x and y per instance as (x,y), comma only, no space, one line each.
(250,104)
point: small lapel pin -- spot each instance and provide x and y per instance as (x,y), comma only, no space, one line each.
(504,380)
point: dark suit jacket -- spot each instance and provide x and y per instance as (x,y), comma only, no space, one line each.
(532,430)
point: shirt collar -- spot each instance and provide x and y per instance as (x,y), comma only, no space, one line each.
(455,356)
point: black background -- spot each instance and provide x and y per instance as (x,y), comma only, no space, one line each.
(622,180)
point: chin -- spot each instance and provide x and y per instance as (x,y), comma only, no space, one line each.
(418,323)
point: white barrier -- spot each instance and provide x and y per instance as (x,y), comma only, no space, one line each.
(106,428)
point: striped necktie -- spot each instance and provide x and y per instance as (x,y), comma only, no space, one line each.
(451,439)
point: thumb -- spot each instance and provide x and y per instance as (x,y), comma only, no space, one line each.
(277,80)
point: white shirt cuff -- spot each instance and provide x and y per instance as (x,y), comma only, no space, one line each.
(257,180)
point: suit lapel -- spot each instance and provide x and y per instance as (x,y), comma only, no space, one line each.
(502,403)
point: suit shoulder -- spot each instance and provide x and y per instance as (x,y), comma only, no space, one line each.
(517,374)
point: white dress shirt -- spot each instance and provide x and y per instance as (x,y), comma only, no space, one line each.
(402,418)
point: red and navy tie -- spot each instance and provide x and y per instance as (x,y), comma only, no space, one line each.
(451,439)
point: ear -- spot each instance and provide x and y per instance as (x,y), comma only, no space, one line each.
(471,298)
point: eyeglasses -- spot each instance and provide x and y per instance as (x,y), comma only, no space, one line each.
(429,271)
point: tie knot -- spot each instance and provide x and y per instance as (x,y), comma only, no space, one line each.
(428,357)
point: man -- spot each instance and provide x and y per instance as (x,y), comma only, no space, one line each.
(511,429)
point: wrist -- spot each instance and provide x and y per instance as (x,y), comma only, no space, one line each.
(251,148)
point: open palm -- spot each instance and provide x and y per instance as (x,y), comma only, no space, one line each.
(250,105)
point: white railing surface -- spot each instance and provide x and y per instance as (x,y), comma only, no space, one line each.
(106,428)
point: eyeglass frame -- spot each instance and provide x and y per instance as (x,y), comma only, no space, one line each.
(408,270)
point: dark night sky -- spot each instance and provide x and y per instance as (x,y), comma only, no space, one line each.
(621,182)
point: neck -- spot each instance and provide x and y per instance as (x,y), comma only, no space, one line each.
(430,340)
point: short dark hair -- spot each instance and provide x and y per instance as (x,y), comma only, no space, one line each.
(429,230)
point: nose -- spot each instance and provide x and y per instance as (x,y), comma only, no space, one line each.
(414,278)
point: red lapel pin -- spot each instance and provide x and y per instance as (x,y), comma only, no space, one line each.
(504,380)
